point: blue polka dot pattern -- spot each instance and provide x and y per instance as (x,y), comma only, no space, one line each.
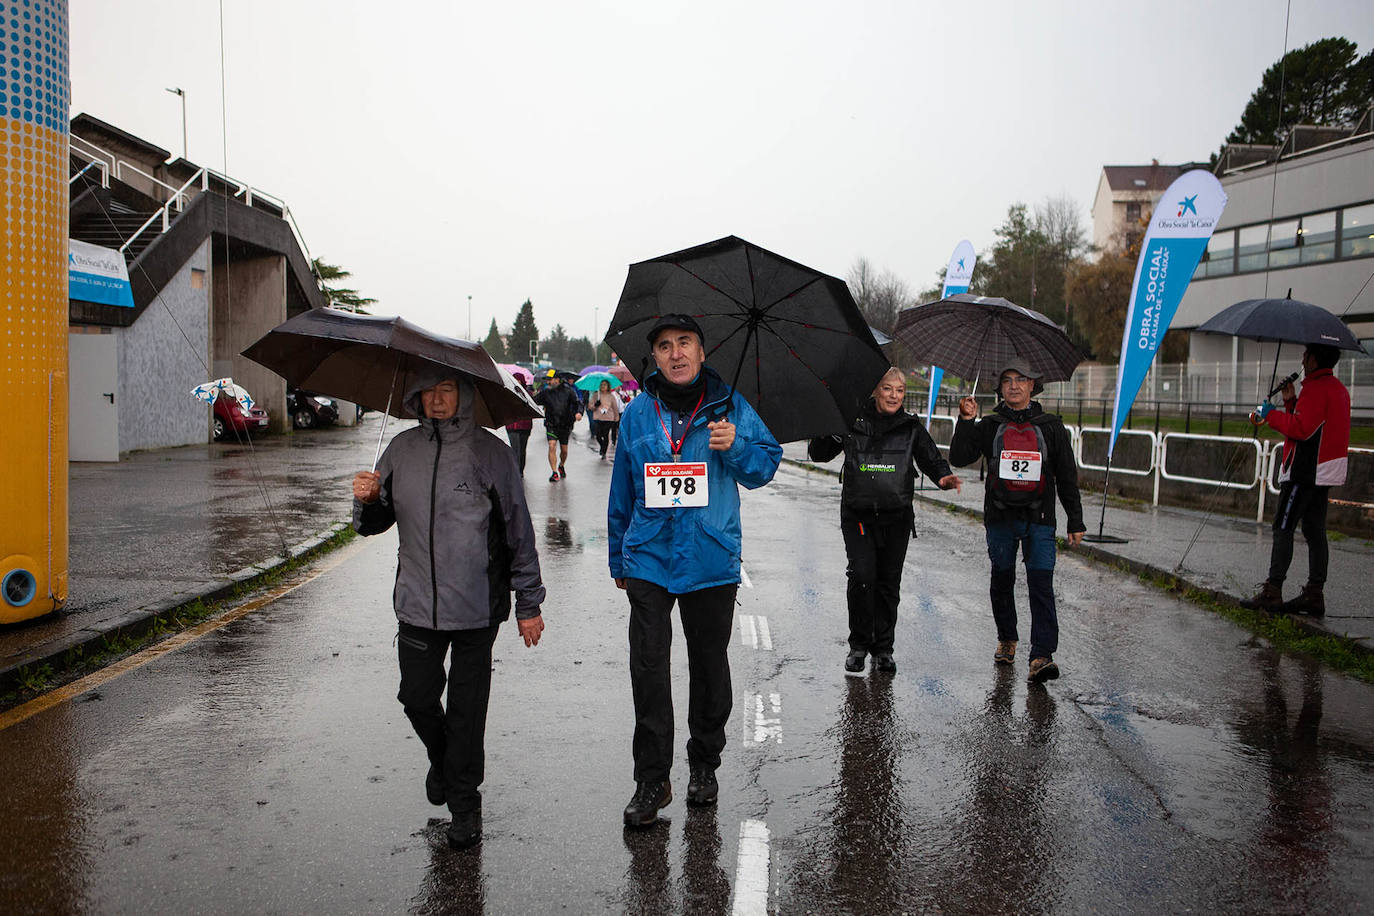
(34,76)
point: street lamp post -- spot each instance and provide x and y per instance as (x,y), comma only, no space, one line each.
(596,350)
(469,318)
(182,93)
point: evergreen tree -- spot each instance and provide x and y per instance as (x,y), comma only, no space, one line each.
(1322,83)
(339,297)
(494,345)
(580,353)
(556,345)
(522,332)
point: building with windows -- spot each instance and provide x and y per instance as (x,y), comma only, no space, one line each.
(1298,217)
(1126,197)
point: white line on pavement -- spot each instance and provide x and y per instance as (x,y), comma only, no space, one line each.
(751,870)
(761,722)
(754,633)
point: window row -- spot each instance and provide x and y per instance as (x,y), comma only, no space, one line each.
(1346,233)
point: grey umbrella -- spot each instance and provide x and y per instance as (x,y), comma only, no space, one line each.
(979,336)
(1284,321)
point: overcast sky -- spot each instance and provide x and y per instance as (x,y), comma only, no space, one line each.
(507,151)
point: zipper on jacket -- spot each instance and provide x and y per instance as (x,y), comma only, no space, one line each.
(433,491)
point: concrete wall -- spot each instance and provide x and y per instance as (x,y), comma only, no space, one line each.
(1306,184)
(250,300)
(162,356)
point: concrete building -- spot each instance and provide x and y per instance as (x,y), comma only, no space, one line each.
(1298,217)
(213,264)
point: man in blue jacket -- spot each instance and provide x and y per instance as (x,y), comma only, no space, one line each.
(674,527)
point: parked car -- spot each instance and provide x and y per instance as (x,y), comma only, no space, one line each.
(230,417)
(309,410)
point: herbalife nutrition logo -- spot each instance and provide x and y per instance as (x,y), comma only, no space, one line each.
(878,467)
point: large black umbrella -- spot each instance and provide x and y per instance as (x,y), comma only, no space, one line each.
(371,360)
(1282,321)
(789,338)
(979,336)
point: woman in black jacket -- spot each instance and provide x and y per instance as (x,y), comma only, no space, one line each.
(882,451)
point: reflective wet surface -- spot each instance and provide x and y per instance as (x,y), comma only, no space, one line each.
(1179,765)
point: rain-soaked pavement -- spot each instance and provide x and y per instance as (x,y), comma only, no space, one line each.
(1179,765)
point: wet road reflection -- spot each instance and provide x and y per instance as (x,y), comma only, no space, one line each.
(454,883)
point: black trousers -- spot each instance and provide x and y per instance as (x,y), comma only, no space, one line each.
(453,733)
(876,553)
(519,441)
(1306,506)
(707,620)
(605,431)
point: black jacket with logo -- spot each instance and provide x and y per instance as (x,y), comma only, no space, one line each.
(973,439)
(881,455)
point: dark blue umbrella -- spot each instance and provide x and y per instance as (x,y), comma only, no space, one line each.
(1283,321)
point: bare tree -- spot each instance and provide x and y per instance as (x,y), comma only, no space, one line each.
(880,294)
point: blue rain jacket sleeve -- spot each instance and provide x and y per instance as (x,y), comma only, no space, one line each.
(685,549)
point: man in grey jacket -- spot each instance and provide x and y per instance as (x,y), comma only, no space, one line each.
(456,497)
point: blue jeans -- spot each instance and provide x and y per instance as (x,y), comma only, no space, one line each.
(1038,549)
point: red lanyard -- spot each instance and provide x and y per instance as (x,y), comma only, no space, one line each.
(677,446)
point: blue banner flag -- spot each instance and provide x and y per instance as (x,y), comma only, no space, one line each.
(958,275)
(96,274)
(1179,230)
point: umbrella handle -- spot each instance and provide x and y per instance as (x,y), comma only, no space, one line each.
(386,413)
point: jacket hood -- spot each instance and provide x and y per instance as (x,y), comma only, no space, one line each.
(428,378)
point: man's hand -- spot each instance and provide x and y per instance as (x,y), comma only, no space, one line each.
(950,483)
(367,486)
(1073,538)
(620,584)
(1258,415)
(1287,392)
(722,435)
(968,408)
(530,630)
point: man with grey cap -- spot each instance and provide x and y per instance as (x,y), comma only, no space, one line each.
(455,495)
(1030,459)
(674,530)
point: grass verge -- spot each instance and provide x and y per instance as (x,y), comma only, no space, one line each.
(30,681)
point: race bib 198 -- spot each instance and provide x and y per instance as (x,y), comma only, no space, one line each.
(672,485)
(1019,465)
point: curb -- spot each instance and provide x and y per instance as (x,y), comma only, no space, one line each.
(1138,568)
(140,620)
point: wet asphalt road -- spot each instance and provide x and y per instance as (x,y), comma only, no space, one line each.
(1179,765)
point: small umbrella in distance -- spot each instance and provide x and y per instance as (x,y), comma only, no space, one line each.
(372,359)
(592,381)
(789,338)
(978,336)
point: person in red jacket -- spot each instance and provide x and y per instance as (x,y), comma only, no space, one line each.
(1316,430)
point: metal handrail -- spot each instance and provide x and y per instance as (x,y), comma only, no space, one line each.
(120,165)
(1116,469)
(104,175)
(1237,440)
(90,150)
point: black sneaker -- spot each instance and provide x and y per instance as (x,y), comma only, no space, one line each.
(702,787)
(884,664)
(561,471)
(553,478)
(854,661)
(465,830)
(649,797)
(434,786)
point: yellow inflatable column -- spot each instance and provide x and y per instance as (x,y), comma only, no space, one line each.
(35,93)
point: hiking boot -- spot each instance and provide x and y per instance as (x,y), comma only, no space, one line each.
(1006,652)
(553,478)
(434,785)
(648,798)
(1270,598)
(1310,601)
(702,787)
(854,661)
(1042,669)
(465,830)
(884,664)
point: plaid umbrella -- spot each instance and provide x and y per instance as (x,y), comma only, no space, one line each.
(978,336)
(787,337)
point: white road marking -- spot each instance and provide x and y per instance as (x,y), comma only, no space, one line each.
(763,723)
(744,577)
(751,870)
(754,633)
